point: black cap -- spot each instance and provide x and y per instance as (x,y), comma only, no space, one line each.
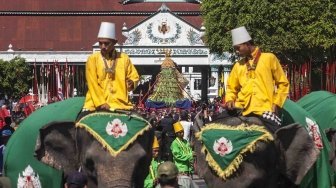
(77,178)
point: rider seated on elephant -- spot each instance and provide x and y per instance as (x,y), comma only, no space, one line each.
(151,179)
(110,75)
(183,156)
(257,83)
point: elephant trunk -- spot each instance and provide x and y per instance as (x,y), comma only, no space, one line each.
(119,183)
(112,177)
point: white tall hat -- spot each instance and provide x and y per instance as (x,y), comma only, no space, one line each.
(240,35)
(107,30)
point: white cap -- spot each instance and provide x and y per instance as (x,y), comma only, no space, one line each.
(107,30)
(240,35)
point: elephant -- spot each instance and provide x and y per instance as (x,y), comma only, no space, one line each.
(66,147)
(280,163)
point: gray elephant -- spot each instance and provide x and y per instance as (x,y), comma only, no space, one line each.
(281,163)
(67,147)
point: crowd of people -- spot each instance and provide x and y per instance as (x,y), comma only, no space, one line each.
(173,147)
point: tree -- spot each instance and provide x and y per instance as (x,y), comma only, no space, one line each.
(15,77)
(295,30)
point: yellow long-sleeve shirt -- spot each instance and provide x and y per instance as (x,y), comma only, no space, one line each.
(257,90)
(103,88)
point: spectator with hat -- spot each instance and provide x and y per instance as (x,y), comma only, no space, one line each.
(182,156)
(110,75)
(167,175)
(151,179)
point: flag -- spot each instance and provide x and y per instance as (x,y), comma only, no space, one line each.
(72,88)
(58,82)
(60,94)
(43,85)
(35,84)
(66,80)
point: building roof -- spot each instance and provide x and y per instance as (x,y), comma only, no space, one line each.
(39,25)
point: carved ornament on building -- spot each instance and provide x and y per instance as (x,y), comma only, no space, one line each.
(133,38)
(163,33)
(175,51)
(194,38)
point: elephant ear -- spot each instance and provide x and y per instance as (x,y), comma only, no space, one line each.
(56,146)
(297,150)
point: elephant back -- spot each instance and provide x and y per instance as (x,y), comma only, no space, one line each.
(321,105)
(19,160)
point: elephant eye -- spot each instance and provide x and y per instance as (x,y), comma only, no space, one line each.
(54,146)
(89,164)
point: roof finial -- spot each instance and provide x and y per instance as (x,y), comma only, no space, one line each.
(167,52)
(124,26)
(164,8)
(10,46)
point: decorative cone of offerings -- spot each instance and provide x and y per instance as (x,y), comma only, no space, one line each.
(168,89)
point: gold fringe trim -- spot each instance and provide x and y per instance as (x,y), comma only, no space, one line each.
(234,165)
(102,140)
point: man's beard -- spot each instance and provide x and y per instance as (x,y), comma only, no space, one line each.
(103,52)
(107,53)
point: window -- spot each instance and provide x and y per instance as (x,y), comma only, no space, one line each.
(197,84)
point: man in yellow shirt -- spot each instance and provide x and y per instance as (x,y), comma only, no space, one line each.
(110,75)
(257,83)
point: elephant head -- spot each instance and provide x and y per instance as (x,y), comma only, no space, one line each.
(65,147)
(281,163)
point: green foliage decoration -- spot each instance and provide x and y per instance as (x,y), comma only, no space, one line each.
(167,87)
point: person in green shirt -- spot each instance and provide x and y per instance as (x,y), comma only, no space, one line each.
(151,179)
(182,156)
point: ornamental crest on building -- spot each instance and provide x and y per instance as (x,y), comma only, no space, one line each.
(163,28)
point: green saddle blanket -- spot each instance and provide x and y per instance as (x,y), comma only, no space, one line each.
(115,131)
(225,145)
